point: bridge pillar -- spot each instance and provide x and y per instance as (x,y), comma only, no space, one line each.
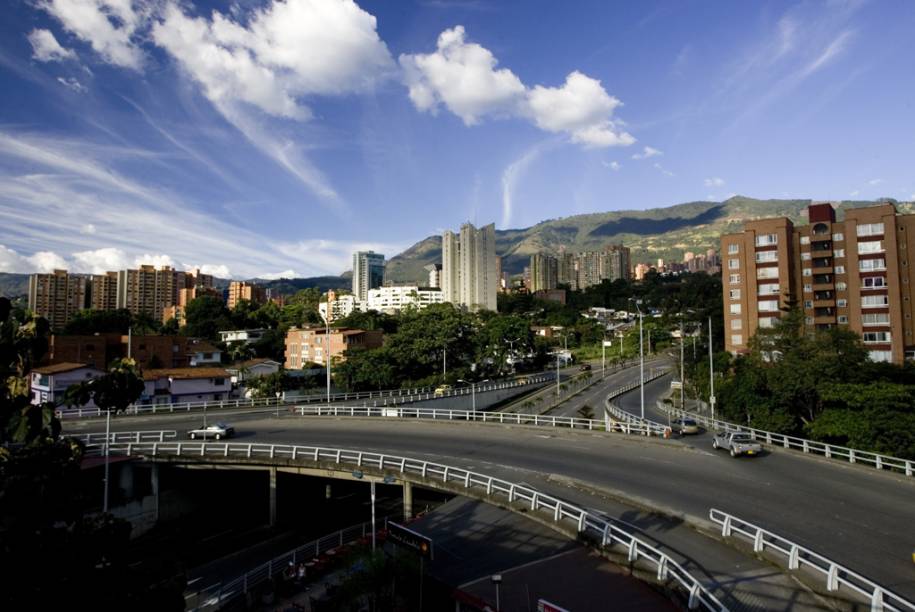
(407,501)
(272,496)
(154,482)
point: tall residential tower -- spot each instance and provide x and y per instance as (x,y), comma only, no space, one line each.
(469,270)
(368,273)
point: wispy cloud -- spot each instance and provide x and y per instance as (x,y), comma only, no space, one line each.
(875,181)
(513,174)
(713,182)
(613,165)
(647,152)
(663,170)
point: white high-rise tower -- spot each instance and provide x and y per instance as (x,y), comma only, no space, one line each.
(469,267)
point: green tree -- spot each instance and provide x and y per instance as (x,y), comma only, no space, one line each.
(205,316)
(111,392)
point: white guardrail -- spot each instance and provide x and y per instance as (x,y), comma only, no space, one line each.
(125,436)
(589,524)
(614,411)
(880,462)
(391,397)
(221,593)
(836,575)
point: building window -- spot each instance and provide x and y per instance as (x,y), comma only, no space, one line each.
(840,270)
(736,339)
(767,273)
(808,303)
(219,381)
(842,303)
(734,294)
(876,337)
(820,229)
(766,256)
(808,288)
(874,301)
(839,253)
(733,248)
(736,324)
(843,319)
(841,286)
(837,237)
(768,289)
(805,239)
(870,229)
(805,256)
(766,239)
(808,320)
(806,272)
(734,309)
(866,265)
(875,318)
(734,279)
(871,246)
(733,264)
(880,356)
(873,282)
(767,305)
(767,322)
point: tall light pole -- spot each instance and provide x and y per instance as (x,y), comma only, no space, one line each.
(444,362)
(557,373)
(682,369)
(711,370)
(327,348)
(641,358)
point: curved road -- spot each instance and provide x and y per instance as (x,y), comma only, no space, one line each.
(854,515)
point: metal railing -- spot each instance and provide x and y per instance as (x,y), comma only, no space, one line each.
(221,593)
(383,398)
(797,556)
(125,436)
(878,461)
(457,414)
(588,524)
(614,411)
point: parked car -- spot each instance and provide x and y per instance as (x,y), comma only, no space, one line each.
(737,442)
(443,390)
(217,431)
(585,367)
(685,426)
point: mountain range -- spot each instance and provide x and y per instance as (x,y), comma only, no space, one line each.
(652,234)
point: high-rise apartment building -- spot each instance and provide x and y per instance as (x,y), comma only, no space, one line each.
(147,290)
(241,290)
(567,274)
(435,275)
(544,271)
(469,267)
(853,273)
(617,263)
(368,273)
(103,291)
(57,296)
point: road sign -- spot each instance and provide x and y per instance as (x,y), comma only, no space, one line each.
(545,606)
(399,534)
(676,384)
(608,342)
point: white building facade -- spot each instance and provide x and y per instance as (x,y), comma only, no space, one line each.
(393,299)
(469,270)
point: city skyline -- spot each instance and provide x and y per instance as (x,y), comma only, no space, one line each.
(119,147)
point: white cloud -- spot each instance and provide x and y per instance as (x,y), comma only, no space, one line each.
(647,152)
(107,25)
(714,182)
(463,77)
(614,165)
(854,193)
(99,261)
(277,54)
(217,270)
(87,229)
(45,47)
(510,177)
(319,256)
(875,181)
(912,197)
(580,107)
(278,275)
(72,84)
(832,50)
(42,261)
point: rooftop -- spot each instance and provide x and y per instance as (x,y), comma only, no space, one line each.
(59,368)
(185,373)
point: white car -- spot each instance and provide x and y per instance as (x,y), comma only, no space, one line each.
(217,431)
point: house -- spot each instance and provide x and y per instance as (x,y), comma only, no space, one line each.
(176,385)
(312,344)
(49,383)
(247,336)
(253,368)
(202,353)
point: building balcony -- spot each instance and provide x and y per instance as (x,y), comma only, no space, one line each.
(824,320)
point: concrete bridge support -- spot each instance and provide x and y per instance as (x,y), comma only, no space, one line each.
(407,500)
(272,520)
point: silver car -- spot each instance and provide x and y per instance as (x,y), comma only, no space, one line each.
(217,431)
(685,426)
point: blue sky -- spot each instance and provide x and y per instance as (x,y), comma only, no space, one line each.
(273,138)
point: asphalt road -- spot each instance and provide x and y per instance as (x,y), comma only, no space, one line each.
(855,515)
(595,395)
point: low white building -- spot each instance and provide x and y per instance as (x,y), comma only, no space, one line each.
(248,336)
(175,385)
(393,299)
(202,353)
(49,383)
(253,368)
(341,306)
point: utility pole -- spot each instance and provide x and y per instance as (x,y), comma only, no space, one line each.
(557,375)
(641,358)
(444,362)
(711,370)
(682,369)
(327,347)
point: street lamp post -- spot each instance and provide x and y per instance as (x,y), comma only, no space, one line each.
(277,393)
(711,370)
(682,369)
(641,358)
(497,580)
(557,374)
(327,348)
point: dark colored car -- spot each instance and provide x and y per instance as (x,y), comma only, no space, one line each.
(585,367)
